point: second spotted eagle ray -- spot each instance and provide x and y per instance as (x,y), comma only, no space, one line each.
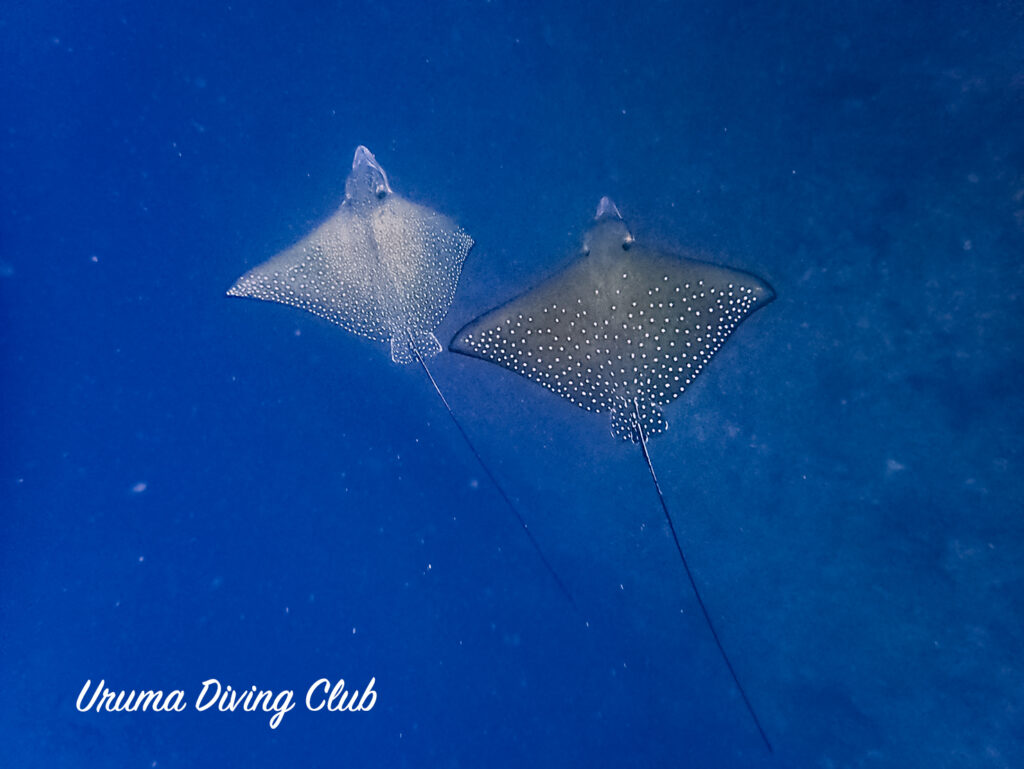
(623,330)
(382,267)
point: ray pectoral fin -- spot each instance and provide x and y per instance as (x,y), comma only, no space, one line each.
(477,340)
(460,343)
(763,292)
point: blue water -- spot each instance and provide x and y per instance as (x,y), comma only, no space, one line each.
(196,487)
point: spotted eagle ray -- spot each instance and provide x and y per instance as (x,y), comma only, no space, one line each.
(625,330)
(384,268)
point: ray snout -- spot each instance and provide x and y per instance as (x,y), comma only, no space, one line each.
(606,209)
(362,157)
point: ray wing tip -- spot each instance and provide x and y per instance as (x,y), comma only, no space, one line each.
(460,342)
(238,288)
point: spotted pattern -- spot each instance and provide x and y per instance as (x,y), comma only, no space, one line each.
(622,331)
(386,271)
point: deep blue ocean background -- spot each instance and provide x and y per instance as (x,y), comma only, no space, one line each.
(194,486)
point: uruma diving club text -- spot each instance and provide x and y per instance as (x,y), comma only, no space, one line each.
(322,695)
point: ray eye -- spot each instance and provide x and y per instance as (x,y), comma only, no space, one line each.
(382,191)
(626,244)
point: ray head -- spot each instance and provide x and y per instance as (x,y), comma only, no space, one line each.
(608,229)
(367,182)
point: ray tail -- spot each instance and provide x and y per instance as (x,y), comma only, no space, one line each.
(494,481)
(693,584)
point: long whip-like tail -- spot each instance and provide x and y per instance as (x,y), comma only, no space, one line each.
(693,583)
(494,481)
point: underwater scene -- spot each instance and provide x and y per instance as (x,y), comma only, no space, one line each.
(493,384)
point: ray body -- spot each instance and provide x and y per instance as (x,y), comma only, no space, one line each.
(384,268)
(623,325)
(625,330)
(381,266)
